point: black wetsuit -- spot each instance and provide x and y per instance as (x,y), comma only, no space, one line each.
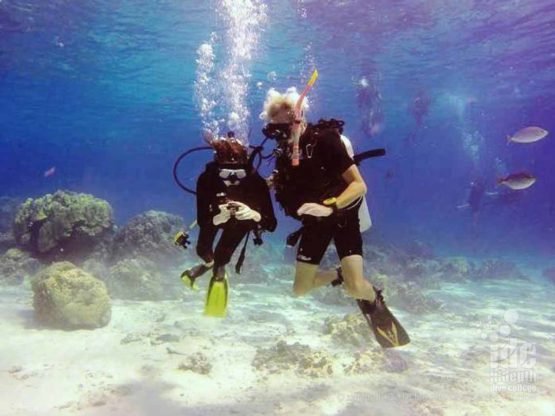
(324,159)
(252,191)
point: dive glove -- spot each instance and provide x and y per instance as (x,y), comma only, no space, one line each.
(245,213)
(223,216)
(314,209)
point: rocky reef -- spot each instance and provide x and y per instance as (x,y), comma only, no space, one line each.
(350,330)
(139,264)
(67,297)
(139,260)
(150,236)
(137,279)
(296,357)
(63,225)
(132,261)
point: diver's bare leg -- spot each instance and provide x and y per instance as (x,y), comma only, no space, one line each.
(324,277)
(304,278)
(308,277)
(354,282)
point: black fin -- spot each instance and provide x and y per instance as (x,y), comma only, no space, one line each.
(386,328)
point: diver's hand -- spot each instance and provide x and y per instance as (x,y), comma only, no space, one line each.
(223,216)
(314,209)
(246,213)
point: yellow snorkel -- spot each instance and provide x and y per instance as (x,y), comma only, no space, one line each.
(298,118)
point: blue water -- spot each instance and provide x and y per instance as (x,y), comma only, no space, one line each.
(104,91)
(102,96)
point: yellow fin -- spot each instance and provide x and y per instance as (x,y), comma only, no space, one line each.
(216,298)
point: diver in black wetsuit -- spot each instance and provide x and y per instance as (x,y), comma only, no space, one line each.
(234,198)
(318,183)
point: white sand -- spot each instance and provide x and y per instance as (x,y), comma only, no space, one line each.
(449,368)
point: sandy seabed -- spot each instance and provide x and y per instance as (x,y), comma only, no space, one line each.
(132,366)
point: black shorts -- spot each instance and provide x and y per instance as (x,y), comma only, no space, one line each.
(316,237)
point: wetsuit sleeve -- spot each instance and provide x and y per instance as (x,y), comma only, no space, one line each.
(204,214)
(334,153)
(264,203)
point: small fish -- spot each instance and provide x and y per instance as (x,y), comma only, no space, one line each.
(517,181)
(528,135)
(50,172)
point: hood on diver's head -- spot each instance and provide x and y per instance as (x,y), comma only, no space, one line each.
(231,157)
(229,152)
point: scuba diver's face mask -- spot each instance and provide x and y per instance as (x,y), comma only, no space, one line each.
(277,131)
(232,176)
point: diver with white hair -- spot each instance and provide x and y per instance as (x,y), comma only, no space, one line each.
(318,183)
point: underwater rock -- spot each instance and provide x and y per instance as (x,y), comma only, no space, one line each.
(149,235)
(349,330)
(67,297)
(549,274)
(63,225)
(295,357)
(16,265)
(197,363)
(498,269)
(139,279)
